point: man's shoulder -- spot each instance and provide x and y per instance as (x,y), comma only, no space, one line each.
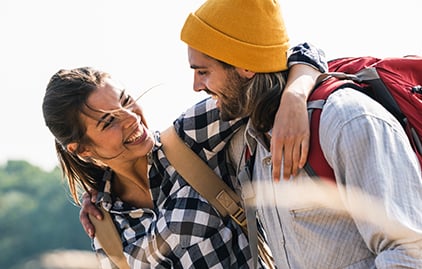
(351,115)
(348,104)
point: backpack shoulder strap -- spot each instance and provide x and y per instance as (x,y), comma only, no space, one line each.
(216,191)
(201,177)
(110,241)
(327,83)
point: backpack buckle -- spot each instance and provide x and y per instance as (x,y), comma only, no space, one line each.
(240,217)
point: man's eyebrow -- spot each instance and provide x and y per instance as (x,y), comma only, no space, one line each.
(193,66)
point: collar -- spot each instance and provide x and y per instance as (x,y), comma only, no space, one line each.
(253,137)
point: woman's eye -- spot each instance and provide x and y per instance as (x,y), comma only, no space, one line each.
(108,122)
(128,102)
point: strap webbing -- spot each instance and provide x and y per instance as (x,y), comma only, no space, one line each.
(216,191)
(201,177)
(257,243)
(109,239)
(204,181)
(248,196)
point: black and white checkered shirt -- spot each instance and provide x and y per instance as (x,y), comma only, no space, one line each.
(183,230)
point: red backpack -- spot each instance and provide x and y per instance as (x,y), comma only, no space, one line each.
(393,82)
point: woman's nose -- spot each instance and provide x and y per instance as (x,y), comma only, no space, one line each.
(130,118)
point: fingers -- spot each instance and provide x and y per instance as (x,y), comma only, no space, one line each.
(276,158)
(93,194)
(304,150)
(88,208)
(291,152)
(288,158)
(291,160)
(283,152)
(86,224)
(289,136)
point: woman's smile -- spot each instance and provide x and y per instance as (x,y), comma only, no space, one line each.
(137,137)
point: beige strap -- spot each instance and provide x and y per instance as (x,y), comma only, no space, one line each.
(201,177)
(110,241)
(211,187)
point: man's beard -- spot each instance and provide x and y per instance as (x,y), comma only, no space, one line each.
(234,100)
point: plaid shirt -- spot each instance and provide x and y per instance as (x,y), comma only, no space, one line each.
(183,230)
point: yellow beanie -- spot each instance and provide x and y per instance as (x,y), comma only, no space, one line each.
(249,34)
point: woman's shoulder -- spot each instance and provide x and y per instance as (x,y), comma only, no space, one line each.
(201,126)
(197,117)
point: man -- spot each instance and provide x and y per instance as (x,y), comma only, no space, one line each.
(263,24)
(244,68)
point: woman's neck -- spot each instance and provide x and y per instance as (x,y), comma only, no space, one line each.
(131,183)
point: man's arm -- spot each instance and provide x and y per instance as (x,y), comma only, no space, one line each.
(374,161)
(290,134)
(88,208)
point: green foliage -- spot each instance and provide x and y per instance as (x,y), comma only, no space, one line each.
(36,214)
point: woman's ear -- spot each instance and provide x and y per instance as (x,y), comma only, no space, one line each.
(79,151)
(245,73)
(84,154)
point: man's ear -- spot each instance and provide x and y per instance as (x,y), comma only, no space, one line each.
(245,73)
(82,151)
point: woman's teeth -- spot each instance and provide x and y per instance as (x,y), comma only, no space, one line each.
(135,136)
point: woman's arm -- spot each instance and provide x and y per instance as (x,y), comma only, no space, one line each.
(290,133)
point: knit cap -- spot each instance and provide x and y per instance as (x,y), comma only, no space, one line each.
(249,34)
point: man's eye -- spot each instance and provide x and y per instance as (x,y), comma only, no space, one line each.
(201,73)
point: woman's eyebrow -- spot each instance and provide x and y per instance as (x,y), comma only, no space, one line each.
(102,119)
(122,94)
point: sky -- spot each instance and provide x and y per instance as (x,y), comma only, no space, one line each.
(138,43)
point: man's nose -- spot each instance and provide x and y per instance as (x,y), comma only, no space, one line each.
(198,84)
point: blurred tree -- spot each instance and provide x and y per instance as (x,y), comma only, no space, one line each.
(36,214)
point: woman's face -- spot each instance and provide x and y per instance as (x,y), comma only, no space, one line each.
(115,126)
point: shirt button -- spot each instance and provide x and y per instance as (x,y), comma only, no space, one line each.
(266,161)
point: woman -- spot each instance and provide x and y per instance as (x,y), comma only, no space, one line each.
(103,143)
(99,128)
